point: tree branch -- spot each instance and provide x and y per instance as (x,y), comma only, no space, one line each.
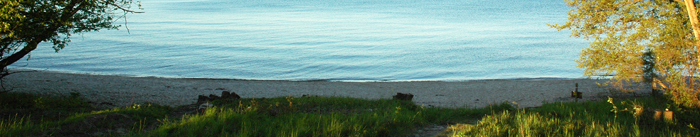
(660,83)
(71,11)
(122,8)
(695,25)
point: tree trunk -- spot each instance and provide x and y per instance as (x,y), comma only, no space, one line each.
(695,24)
(18,55)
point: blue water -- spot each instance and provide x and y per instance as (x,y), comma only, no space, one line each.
(400,40)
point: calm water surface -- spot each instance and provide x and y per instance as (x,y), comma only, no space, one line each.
(350,40)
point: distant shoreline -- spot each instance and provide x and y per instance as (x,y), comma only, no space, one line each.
(119,91)
(15,69)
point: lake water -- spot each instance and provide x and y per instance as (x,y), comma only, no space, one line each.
(349,40)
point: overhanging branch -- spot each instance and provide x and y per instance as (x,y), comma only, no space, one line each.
(122,8)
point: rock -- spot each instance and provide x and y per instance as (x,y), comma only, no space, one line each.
(229,95)
(213,97)
(666,114)
(402,96)
(202,99)
(224,95)
(648,114)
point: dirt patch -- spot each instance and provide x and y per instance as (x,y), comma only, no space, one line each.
(429,130)
(96,125)
(441,130)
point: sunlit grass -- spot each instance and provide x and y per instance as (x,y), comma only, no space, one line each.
(595,118)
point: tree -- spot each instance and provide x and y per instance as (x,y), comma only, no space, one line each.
(26,23)
(634,40)
(8,15)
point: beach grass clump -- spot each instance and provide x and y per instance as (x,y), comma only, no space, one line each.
(592,118)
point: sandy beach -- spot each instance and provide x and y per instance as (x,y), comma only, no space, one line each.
(116,91)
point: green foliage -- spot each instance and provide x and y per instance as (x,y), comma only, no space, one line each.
(26,23)
(58,19)
(638,41)
(9,15)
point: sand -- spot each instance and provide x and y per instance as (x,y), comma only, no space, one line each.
(118,91)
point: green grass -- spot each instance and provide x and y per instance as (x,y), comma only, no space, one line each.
(594,118)
(334,116)
(22,114)
(29,115)
(313,116)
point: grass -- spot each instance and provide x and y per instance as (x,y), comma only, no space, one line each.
(29,115)
(593,118)
(313,116)
(25,115)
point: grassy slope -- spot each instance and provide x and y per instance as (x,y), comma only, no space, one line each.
(329,116)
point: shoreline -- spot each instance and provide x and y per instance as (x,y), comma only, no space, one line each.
(17,69)
(117,91)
